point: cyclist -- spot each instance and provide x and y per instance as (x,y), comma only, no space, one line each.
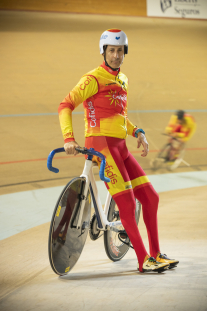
(181,128)
(103,92)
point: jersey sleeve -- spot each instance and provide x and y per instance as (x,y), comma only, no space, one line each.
(129,125)
(131,128)
(86,87)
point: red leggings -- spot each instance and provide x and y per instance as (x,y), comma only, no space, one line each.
(126,204)
(129,169)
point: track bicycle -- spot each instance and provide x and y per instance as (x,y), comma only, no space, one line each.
(71,219)
(163,157)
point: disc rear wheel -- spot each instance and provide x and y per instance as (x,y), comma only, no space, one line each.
(66,239)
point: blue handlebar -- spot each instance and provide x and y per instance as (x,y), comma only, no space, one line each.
(89,152)
(101,171)
(50,158)
(103,163)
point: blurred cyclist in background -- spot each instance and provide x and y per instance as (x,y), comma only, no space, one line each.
(181,128)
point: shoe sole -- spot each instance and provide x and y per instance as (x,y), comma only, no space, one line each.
(159,270)
(173,265)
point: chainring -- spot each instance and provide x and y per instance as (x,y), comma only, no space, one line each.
(93,228)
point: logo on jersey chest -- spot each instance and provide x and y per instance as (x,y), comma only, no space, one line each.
(115,98)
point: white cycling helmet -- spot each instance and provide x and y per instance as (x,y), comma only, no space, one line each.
(113,37)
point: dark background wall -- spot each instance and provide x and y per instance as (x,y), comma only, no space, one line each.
(117,7)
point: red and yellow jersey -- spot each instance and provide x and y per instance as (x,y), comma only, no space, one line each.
(103,93)
(185,130)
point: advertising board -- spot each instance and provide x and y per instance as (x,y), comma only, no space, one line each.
(195,9)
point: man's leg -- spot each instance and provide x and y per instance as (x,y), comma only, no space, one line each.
(126,205)
(149,199)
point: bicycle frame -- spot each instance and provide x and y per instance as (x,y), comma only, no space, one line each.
(103,223)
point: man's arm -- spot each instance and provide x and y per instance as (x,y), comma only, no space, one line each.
(140,135)
(141,140)
(85,88)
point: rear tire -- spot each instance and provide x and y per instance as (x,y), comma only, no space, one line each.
(114,248)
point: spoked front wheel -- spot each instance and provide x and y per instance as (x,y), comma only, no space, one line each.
(66,238)
(116,249)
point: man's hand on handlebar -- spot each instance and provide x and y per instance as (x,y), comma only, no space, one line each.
(70,147)
(143,141)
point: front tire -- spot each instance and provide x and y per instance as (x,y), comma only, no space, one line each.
(115,249)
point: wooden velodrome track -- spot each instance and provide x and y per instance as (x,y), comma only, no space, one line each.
(42,56)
